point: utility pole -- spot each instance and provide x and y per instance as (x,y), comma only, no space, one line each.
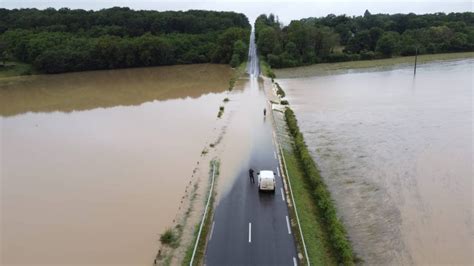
(416,57)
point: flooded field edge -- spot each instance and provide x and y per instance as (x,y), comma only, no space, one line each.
(191,205)
(396,223)
(324,69)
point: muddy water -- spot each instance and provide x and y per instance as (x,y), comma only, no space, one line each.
(93,165)
(396,152)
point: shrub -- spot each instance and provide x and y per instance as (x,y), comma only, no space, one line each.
(280,91)
(321,195)
(284,102)
(221,111)
(168,238)
(226,99)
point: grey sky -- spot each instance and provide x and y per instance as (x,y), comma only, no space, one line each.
(285,10)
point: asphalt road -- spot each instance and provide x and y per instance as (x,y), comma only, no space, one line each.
(252,227)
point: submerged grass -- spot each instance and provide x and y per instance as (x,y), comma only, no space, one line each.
(12,69)
(327,68)
(266,69)
(202,241)
(238,72)
(221,111)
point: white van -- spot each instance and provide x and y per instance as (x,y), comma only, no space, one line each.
(266,180)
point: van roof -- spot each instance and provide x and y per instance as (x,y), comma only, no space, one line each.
(266,174)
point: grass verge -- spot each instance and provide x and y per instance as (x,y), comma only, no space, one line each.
(266,69)
(336,232)
(238,72)
(327,68)
(316,239)
(201,248)
(12,69)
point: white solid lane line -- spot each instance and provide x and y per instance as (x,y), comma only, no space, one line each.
(212,230)
(282,195)
(294,261)
(288,225)
(250,232)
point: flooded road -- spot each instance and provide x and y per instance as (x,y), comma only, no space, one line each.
(396,152)
(94,164)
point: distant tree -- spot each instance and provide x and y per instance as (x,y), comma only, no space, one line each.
(3,52)
(240,49)
(388,44)
(267,40)
(235,61)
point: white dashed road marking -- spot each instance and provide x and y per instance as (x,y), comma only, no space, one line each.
(278,169)
(294,261)
(250,232)
(282,194)
(288,224)
(212,230)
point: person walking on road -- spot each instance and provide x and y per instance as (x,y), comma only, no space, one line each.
(252,179)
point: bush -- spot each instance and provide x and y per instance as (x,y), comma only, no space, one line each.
(168,238)
(280,91)
(221,111)
(284,102)
(226,99)
(321,195)
(367,55)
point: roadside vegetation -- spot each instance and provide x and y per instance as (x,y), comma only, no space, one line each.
(320,193)
(239,71)
(371,36)
(202,241)
(316,238)
(266,69)
(280,91)
(221,111)
(321,197)
(65,40)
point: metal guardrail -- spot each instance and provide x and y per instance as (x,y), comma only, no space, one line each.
(294,205)
(205,214)
(291,193)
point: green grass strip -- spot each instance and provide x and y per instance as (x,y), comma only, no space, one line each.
(316,238)
(321,196)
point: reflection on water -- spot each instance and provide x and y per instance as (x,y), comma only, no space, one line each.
(396,152)
(88,90)
(98,186)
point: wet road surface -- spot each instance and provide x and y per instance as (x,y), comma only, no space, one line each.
(252,227)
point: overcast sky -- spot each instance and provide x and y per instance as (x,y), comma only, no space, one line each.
(285,10)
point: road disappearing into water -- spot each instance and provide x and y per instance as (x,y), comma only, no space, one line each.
(251,227)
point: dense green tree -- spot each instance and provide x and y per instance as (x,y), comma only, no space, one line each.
(388,43)
(240,49)
(267,40)
(235,60)
(63,40)
(312,40)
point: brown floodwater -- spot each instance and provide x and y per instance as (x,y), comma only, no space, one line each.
(397,154)
(94,164)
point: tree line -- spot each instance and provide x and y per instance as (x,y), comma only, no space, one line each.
(343,38)
(64,40)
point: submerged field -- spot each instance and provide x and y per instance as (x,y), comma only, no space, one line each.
(396,153)
(351,66)
(100,161)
